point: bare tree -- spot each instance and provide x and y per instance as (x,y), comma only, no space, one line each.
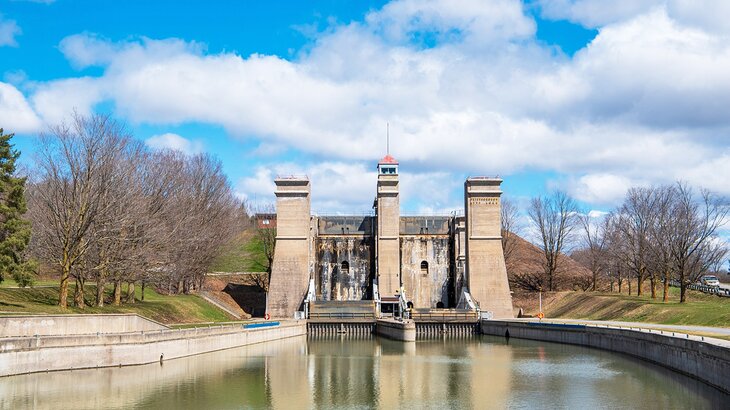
(510,230)
(595,247)
(555,218)
(633,222)
(660,232)
(615,267)
(105,208)
(75,172)
(694,244)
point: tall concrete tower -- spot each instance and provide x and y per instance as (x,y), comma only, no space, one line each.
(486,273)
(290,269)
(387,213)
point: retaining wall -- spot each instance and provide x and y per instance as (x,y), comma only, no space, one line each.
(21,355)
(702,358)
(27,325)
(404,331)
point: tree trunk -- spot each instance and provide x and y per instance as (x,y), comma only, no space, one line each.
(629,281)
(652,280)
(682,292)
(99,292)
(79,294)
(666,288)
(63,291)
(550,282)
(143,285)
(639,282)
(595,279)
(130,292)
(117,292)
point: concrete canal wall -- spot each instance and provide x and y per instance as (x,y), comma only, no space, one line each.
(19,355)
(405,331)
(60,325)
(702,358)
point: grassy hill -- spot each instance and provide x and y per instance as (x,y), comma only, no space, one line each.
(699,310)
(244,254)
(162,308)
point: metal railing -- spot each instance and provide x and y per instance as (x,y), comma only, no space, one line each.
(444,316)
(712,290)
(341,315)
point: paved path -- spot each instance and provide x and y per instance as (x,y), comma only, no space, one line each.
(719,331)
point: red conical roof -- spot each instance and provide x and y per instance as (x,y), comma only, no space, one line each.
(388,160)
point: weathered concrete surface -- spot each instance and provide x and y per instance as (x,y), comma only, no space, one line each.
(291,267)
(345,225)
(428,287)
(344,267)
(137,386)
(60,325)
(346,255)
(703,358)
(404,331)
(486,273)
(47,353)
(388,230)
(425,225)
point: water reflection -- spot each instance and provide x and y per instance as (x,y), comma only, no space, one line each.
(478,372)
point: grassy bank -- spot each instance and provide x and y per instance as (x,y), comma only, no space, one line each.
(162,308)
(699,310)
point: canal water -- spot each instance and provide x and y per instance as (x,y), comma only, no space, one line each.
(479,372)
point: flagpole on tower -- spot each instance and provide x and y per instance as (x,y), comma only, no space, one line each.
(387,138)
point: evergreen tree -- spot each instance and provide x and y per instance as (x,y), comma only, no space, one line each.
(14,230)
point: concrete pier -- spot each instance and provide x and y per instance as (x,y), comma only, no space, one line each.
(405,330)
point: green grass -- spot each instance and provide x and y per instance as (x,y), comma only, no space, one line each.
(243,254)
(10,283)
(699,310)
(162,308)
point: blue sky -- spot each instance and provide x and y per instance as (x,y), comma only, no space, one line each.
(587,96)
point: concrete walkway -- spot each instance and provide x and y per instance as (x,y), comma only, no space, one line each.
(704,330)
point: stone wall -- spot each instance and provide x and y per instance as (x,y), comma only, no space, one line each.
(426,288)
(344,268)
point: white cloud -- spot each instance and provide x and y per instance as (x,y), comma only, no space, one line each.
(8,31)
(174,142)
(473,21)
(88,49)
(600,188)
(709,15)
(57,100)
(15,112)
(465,87)
(339,187)
(595,13)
